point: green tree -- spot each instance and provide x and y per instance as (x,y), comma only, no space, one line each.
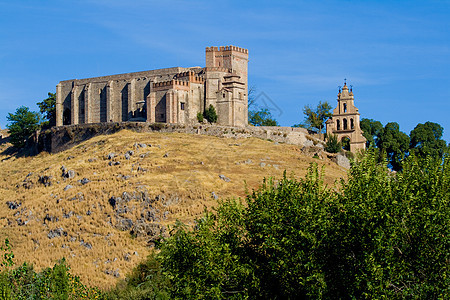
(210,114)
(378,235)
(426,140)
(48,109)
(261,117)
(258,116)
(199,117)
(372,130)
(22,124)
(316,118)
(333,145)
(394,143)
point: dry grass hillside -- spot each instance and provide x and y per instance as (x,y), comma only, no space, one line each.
(116,194)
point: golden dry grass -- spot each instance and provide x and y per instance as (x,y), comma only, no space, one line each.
(187,176)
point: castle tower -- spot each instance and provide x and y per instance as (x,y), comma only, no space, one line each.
(226,72)
(345,121)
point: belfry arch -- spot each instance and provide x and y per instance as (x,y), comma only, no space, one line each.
(345,121)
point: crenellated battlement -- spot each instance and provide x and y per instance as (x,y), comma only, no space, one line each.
(171,84)
(191,76)
(218,69)
(226,48)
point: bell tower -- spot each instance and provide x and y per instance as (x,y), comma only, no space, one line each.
(345,120)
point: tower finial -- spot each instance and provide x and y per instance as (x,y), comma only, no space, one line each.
(351,88)
(339,88)
(345,81)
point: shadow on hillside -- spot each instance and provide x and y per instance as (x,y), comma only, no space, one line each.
(11,151)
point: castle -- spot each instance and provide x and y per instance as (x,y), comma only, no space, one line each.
(345,121)
(172,95)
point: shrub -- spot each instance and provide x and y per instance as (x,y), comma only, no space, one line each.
(210,114)
(51,283)
(332,145)
(380,235)
(200,117)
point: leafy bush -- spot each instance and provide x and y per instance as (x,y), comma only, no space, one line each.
(145,282)
(51,283)
(200,117)
(210,114)
(380,235)
(333,145)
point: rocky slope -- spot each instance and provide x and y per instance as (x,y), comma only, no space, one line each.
(103,203)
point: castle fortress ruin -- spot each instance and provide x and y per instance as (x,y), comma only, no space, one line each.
(172,95)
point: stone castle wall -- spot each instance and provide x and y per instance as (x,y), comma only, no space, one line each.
(172,95)
(61,138)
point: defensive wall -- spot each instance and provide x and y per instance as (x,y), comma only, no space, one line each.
(60,138)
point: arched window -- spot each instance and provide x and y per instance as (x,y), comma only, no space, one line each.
(345,142)
(345,124)
(67,117)
(338,124)
(345,107)
(352,124)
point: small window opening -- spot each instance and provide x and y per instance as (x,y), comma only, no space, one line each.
(182,105)
(352,125)
(345,124)
(345,107)
(338,123)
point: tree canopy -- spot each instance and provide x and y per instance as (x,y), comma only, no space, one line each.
(394,143)
(372,130)
(426,139)
(48,109)
(22,124)
(379,236)
(261,117)
(315,118)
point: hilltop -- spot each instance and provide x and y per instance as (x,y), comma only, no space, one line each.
(103,203)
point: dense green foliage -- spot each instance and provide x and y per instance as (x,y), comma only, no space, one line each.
(261,117)
(394,143)
(426,140)
(200,117)
(372,130)
(378,235)
(210,114)
(7,254)
(51,283)
(48,108)
(22,124)
(315,117)
(333,145)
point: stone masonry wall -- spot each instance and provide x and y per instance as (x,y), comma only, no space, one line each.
(61,138)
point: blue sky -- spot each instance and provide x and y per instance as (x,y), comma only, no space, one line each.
(396,54)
